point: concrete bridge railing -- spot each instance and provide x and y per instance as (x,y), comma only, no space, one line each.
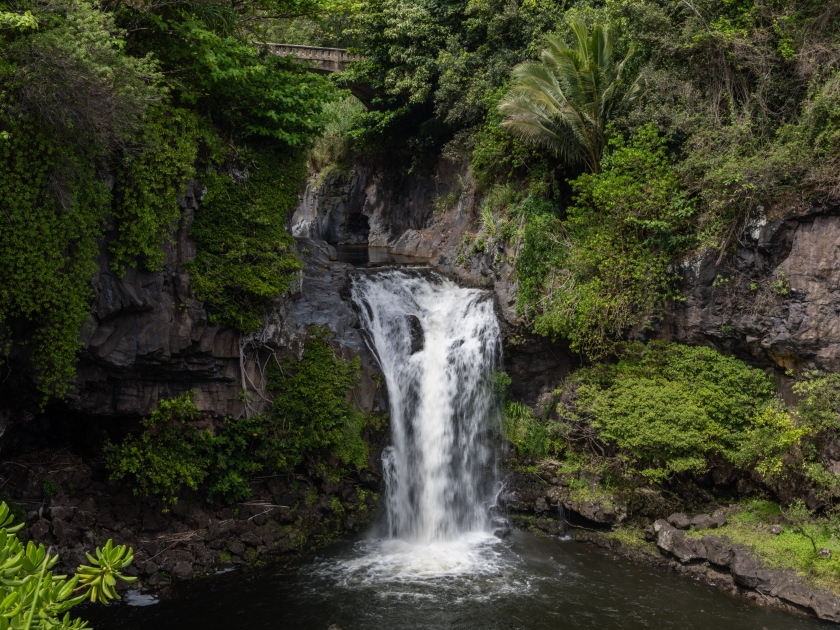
(326,60)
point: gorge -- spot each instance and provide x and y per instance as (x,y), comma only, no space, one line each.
(432,314)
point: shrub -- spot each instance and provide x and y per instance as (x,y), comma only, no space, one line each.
(664,408)
(310,412)
(34,598)
(310,417)
(168,457)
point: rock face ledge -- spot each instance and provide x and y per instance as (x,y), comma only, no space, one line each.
(746,570)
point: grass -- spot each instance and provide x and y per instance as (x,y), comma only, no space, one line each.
(750,525)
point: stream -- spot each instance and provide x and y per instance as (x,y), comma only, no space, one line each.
(433,562)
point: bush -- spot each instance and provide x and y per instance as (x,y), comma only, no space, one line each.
(665,408)
(310,412)
(168,457)
(34,598)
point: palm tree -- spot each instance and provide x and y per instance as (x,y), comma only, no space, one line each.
(564,101)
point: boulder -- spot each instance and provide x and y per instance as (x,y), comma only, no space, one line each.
(673,541)
(182,570)
(748,570)
(826,606)
(416,335)
(40,529)
(718,550)
(679,520)
(792,592)
(66,534)
(703,521)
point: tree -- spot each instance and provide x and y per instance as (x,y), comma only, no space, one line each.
(564,102)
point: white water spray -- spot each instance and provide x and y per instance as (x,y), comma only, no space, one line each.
(441,400)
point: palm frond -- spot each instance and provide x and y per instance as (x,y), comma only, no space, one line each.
(562,102)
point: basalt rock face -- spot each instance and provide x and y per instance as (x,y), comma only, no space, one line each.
(431,219)
(148,338)
(776,301)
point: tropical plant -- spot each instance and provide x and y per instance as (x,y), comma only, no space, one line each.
(564,101)
(33,598)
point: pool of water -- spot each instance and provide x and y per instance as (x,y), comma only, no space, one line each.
(364,256)
(476,582)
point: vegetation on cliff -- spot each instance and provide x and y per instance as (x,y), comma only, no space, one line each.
(107,112)
(310,419)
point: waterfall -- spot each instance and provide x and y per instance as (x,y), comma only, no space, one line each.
(437,345)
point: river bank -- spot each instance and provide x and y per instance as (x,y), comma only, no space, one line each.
(748,550)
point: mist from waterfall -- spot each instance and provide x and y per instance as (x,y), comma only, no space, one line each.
(438,345)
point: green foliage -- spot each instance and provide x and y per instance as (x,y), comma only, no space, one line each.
(172,456)
(498,156)
(54,211)
(310,412)
(607,266)
(34,598)
(532,437)
(334,145)
(15,508)
(168,457)
(564,103)
(310,418)
(435,63)
(244,90)
(664,408)
(149,184)
(50,488)
(100,128)
(245,258)
(104,570)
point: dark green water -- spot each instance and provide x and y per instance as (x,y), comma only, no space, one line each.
(529,583)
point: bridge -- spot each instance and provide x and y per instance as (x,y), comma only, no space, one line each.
(325,61)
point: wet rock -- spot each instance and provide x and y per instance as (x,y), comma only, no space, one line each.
(826,606)
(501,527)
(679,520)
(250,538)
(718,550)
(236,547)
(748,571)
(415,331)
(62,512)
(182,570)
(598,511)
(672,540)
(792,592)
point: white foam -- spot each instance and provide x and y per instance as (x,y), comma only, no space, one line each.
(475,566)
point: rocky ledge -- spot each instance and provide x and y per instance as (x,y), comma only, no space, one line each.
(193,540)
(709,555)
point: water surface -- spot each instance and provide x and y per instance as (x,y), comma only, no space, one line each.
(529,583)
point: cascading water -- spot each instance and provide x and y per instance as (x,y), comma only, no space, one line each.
(437,345)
